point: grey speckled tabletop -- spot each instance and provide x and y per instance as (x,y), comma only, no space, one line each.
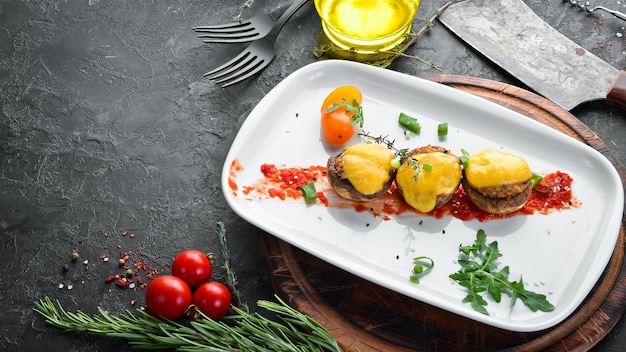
(107,125)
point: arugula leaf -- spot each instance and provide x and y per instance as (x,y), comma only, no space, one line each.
(532,300)
(479,273)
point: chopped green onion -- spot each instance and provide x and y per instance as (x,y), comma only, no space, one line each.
(442,129)
(464,158)
(536,179)
(410,123)
(427,167)
(422,265)
(309,192)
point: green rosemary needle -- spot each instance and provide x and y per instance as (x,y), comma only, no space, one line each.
(241,331)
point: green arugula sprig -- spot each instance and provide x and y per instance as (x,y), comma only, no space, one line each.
(354,106)
(479,274)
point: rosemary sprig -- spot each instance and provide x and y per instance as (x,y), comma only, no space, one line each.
(231,278)
(241,331)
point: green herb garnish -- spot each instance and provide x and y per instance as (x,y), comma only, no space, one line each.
(464,158)
(354,107)
(309,192)
(427,167)
(241,331)
(479,273)
(410,123)
(421,266)
(536,180)
(442,129)
(402,155)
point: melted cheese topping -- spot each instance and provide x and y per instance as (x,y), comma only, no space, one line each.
(367,167)
(492,167)
(443,179)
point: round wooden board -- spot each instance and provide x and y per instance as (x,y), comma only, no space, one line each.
(367,317)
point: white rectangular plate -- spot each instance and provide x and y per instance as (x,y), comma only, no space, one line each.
(561,255)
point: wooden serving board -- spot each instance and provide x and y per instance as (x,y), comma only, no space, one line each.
(368,317)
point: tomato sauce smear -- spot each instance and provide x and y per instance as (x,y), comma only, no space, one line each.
(553,193)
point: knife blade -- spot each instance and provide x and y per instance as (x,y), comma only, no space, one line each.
(511,35)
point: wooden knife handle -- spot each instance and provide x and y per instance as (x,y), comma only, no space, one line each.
(617,91)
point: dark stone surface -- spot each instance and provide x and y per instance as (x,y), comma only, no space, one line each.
(107,125)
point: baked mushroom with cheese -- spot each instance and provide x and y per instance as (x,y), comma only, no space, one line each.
(361,172)
(497,182)
(429,177)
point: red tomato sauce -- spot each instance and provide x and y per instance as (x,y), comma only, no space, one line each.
(554,193)
(235,167)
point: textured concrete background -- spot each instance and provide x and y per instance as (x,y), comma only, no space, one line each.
(107,126)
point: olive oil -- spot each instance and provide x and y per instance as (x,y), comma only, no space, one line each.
(367,26)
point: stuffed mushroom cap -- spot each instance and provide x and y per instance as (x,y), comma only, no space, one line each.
(361,172)
(429,178)
(497,182)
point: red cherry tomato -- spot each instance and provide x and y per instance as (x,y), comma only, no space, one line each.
(193,267)
(337,125)
(213,299)
(168,297)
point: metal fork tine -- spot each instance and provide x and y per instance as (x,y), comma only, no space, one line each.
(256,56)
(230,40)
(226,31)
(235,70)
(228,63)
(254,69)
(235,34)
(218,27)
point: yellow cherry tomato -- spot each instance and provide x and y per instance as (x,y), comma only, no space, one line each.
(341,111)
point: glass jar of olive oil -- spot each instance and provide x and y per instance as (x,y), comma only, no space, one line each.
(366,26)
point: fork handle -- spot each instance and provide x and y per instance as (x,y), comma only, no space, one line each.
(617,14)
(291,10)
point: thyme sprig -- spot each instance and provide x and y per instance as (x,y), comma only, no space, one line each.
(241,331)
(242,7)
(400,50)
(402,155)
